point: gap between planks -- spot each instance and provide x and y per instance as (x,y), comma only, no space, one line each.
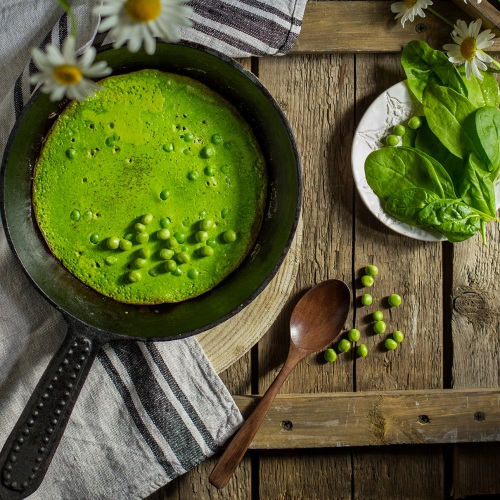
(377,418)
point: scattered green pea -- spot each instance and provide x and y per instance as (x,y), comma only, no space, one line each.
(163,234)
(394,300)
(206,152)
(183,257)
(391,344)
(180,237)
(206,224)
(398,336)
(201,236)
(164,194)
(110,260)
(145,252)
(70,153)
(172,242)
(224,212)
(166,253)
(330,355)
(362,350)
(75,215)
(379,327)
(94,238)
(193,274)
(216,139)
(399,130)
(371,270)
(168,148)
(202,214)
(142,237)
(125,245)
(171,265)
(193,175)
(209,171)
(87,216)
(344,345)
(140,263)
(212,242)
(184,248)
(392,140)
(366,299)
(367,280)
(129,236)
(378,315)
(354,335)
(139,227)
(415,122)
(177,271)
(165,222)
(110,141)
(134,276)
(207,251)
(147,219)
(188,137)
(113,242)
(229,236)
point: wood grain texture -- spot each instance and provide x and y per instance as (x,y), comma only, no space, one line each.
(369,26)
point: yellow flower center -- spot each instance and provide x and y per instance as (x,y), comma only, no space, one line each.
(66,74)
(143,11)
(468,48)
(409,3)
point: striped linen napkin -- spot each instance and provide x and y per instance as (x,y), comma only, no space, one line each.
(148,412)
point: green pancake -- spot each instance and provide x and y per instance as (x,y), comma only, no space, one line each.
(162,167)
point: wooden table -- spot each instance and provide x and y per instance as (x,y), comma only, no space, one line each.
(421,422)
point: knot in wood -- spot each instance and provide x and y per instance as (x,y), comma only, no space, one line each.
(472,305)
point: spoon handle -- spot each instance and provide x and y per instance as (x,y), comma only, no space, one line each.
(233,454)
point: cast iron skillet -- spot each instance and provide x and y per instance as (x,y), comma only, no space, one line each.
(94,319)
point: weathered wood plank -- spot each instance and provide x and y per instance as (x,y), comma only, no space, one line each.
(369,26)
(376,418)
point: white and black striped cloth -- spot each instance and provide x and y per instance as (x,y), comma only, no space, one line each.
(148,412)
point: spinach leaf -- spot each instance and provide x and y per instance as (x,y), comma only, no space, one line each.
(481,92)
(476,187)
(424,65)
(446,111)
(392,169)
(452,218)
(406,204)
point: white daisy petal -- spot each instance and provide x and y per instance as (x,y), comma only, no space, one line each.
(87,58)
(108,23)
(149,42)
(485,58)
(57,93)
(39,58)
(54,57)
(68,50)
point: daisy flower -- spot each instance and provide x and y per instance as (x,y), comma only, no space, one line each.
(62,74)
(468,47)
(408,9)
(139,21)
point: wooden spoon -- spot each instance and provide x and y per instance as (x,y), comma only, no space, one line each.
(316,321)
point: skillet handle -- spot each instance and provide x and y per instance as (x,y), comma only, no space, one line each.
(29,449)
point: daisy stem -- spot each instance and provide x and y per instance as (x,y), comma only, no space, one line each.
(496,63)
(67,7)
(438,15)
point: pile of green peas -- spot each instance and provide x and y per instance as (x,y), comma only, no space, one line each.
(398,131)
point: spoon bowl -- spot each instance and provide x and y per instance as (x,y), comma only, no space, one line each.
(316,322)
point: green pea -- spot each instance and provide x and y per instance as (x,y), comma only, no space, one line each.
(75,215)
(147,219)
(185,222)
(70,153)
(379,327)
(184,248)
(366,299)
(172,242)
(207,251)
(87,216)
(371,270)
(134,276)
(367,280)
(399,130)
(216,139)
(110,141)
(229,236)
(392,140)
(168,148)
(225,169)
(180,237)
(171,265)
(113,242)
(183,257)
(145,252)
(140,263)
(193,274)
(94,238)
(415,122)
(202,214)
(394,300)
(164,194)
(353,335)
(163,234)
(206,152)
(177,271)
(201,236)
(344,345)
(125,245)
(128,236)
(330,355)
(378,315)
(165,222)
(209,171)
(212,242)
(139,227)
(206,224)
(193,175)
(110,260)
(224,212)
(398,336)
(188,137)
(154,272)
(362,350)
(166,253)
(391,344)
(142,237)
